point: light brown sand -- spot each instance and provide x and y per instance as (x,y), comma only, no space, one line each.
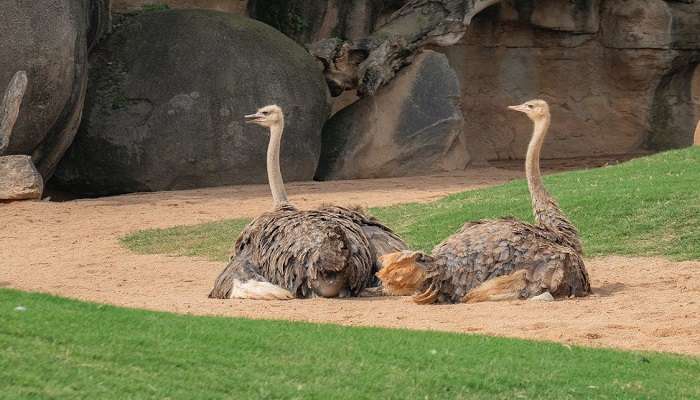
(71,249)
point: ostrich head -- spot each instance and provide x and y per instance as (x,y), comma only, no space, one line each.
(403,272)
(536,110)
(267,116)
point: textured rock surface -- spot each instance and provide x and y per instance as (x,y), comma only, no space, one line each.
(19,180)
(168,91)
(412,126)
(232,6)
(676,109)
(577,16)
(55,57)
(624,89)
(9,107)
(310,20)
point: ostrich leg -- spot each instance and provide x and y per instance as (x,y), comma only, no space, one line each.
(9,109)
(369,63)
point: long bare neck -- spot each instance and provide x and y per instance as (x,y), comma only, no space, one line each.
(532,164)
(274,174)
(545,208)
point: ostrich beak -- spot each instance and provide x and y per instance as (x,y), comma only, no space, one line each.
(253,118)
(521,108)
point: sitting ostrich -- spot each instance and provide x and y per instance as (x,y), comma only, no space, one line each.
(499,259)
(288,253)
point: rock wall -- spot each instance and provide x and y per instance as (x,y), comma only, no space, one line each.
(621,76)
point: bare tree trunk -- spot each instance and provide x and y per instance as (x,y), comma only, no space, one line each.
(9,109)
(369,63)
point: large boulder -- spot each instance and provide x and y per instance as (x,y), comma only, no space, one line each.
(19,180)
(232,6)
(413,126)
(48,39)
(167,95)
(307,21)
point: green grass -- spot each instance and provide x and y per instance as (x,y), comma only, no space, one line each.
(64,349)
(648,206)
(154,7)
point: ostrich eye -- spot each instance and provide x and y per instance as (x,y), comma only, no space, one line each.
(529,106)
(265,112)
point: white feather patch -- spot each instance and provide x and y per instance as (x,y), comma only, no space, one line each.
(255,290)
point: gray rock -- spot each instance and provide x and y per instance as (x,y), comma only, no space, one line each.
(9,108)
(637,24)
(168,91)
(307,21)
(676,109)
(231,6)
(48,39)
(413,126)
(578,16)
(544,297)
(19,180)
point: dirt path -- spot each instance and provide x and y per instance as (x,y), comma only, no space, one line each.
(71,249)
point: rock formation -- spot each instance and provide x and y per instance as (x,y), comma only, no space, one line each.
(412,126)
(621,73)
(49,39)
(309,21)
(167,95)
(19,179)
(231,6)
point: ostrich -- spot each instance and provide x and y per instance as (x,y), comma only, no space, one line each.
(288,253)
(499,259)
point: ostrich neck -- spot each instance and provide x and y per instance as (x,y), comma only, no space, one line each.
(540,197)
(547,213)
(274,174)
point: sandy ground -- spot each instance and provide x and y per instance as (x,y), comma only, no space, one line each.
(71,249)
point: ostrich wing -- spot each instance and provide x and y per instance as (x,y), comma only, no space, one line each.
(241,280)
(291,246)
(382,239)
(487,249)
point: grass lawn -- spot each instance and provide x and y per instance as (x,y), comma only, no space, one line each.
(64,349)
(647,206)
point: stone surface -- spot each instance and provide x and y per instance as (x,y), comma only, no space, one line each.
(231,6)
(604,99)
(168,91)
(578,16)
(544,297)
(307,21)
(19,180)
(676,109)
(637,24)
(412,126)
(9,107)
(55,57)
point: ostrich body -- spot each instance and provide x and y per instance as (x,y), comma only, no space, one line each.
(499,259)
(287,253)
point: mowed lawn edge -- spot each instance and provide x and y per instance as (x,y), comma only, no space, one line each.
(58,348)
(644,207)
